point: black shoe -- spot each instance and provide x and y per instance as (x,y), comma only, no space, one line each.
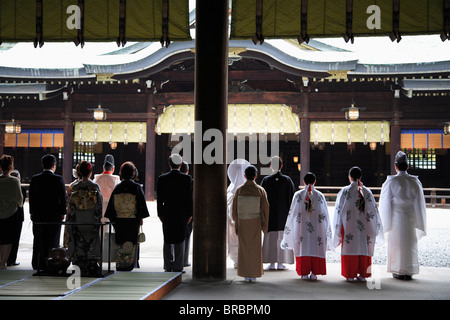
(12,264)
(402,276)
(182,271)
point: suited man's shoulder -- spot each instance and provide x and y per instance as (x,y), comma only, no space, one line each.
(163,176)
(37,175)
(186,176)
(46,176)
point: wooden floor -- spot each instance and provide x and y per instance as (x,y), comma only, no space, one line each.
(17,285)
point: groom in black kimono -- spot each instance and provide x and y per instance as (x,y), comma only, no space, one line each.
(280,190)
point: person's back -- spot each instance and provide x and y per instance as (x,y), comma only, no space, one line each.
(85,207)
(86,197)
(250,211)
(47,196)
(174,206)
(10,198)
(280,190)
(404,188)
(45,205)
(174,203)
(403,212)
(107,182)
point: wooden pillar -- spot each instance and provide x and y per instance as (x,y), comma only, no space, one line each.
(68,144)
(395,132)
(305,149)
(211,106)
(150,151)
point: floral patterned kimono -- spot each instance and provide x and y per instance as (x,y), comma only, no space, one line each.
(308,231)
(126,209)
(357,227)
(85,206)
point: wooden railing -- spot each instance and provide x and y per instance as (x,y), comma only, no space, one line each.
(435,197)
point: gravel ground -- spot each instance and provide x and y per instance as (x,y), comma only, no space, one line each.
(434,248)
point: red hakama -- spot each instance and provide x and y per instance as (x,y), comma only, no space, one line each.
(351,266)
(306,264)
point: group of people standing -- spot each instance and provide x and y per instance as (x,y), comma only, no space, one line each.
(298,224)
(83,207)
(295,224)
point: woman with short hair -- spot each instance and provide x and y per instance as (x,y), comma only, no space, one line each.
(11,198)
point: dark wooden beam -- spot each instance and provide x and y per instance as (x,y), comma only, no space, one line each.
(340,115)
(257,75)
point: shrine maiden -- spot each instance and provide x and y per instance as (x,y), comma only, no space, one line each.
(357,227)
(403,212)
(308,230)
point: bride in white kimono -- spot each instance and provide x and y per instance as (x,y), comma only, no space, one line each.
(403,212)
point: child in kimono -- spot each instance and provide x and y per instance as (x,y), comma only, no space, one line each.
(357,226)
(308,230)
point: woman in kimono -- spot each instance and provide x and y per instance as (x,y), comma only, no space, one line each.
(85,206)
(357,226)
(308,230)
(11,199)
(237,178)
(250,212)
(126,209)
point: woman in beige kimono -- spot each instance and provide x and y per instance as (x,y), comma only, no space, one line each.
(250,212)
(237,178)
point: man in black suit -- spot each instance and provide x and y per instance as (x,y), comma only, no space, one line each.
(174,205)
(47,198)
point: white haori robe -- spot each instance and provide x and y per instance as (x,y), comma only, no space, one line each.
(362,229)
(107,183)
(403,212)
(308,233)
